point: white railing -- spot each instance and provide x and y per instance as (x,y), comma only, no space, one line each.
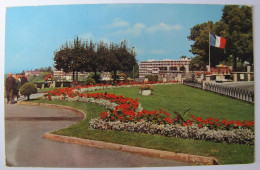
(242,94)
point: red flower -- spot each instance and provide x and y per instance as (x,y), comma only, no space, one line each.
(200,125)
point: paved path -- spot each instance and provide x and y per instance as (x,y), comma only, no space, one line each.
(25,147)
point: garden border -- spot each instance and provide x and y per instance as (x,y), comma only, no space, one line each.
(133,149)
(125,148)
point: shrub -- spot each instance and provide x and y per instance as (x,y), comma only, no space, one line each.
(152,77)
(90,81)
(27,89)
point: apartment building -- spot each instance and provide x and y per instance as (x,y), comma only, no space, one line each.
(164,67)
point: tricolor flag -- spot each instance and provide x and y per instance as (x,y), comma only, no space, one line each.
(217,41)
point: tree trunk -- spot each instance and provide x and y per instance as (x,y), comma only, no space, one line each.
(28,97)
(234,63)
(114,75)
(73,75)
(95,75)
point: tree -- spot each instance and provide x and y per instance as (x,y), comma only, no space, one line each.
(236,26)
(27,89)
(197,63)
(240,35)
(92,61)
(69,58)
(136,72)
(120,58)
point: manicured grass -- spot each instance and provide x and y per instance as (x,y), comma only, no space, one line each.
(202,103)
(171,98)
(47,89)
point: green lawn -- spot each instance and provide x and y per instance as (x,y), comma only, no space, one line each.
(172,98)
(202,103)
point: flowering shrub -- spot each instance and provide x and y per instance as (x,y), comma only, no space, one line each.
(146,87)
(241,136)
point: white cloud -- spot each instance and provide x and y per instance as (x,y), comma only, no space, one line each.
(118,23)
(163,27)
(158,51)
(136,30)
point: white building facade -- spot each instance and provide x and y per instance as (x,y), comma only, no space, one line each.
(166,68)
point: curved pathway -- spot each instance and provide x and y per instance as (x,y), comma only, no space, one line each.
(25,146)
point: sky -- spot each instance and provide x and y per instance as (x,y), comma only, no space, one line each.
(157,31)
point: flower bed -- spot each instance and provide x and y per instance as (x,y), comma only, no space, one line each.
(146,87)
(215,124)
(241,136)
(126,114)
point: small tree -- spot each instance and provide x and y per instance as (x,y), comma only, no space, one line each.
(27,89)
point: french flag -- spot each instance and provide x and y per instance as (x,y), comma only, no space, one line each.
(217,41)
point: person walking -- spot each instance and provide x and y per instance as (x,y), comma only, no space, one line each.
(10,85)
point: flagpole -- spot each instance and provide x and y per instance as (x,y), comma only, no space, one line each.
(209,52)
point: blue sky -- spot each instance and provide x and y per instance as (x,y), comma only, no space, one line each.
(157,31)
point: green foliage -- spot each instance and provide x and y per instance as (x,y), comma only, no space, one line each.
(70,58)
(27,89)
(89,56)
(39,79)
(236,26)
(197,63)
(92,75)
(90,81)
(31,77)
(152,77)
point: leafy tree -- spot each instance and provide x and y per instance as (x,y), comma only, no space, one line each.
(240,35)
(136,72)
(95,58)
(197,63)
(120,58)
(236,26)
(27,89)
(92,75)
(92,61)
(69,58)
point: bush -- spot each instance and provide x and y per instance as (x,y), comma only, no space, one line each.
(90,81)
(152,77)
(27,89)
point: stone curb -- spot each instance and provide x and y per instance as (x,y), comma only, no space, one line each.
(132,149)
